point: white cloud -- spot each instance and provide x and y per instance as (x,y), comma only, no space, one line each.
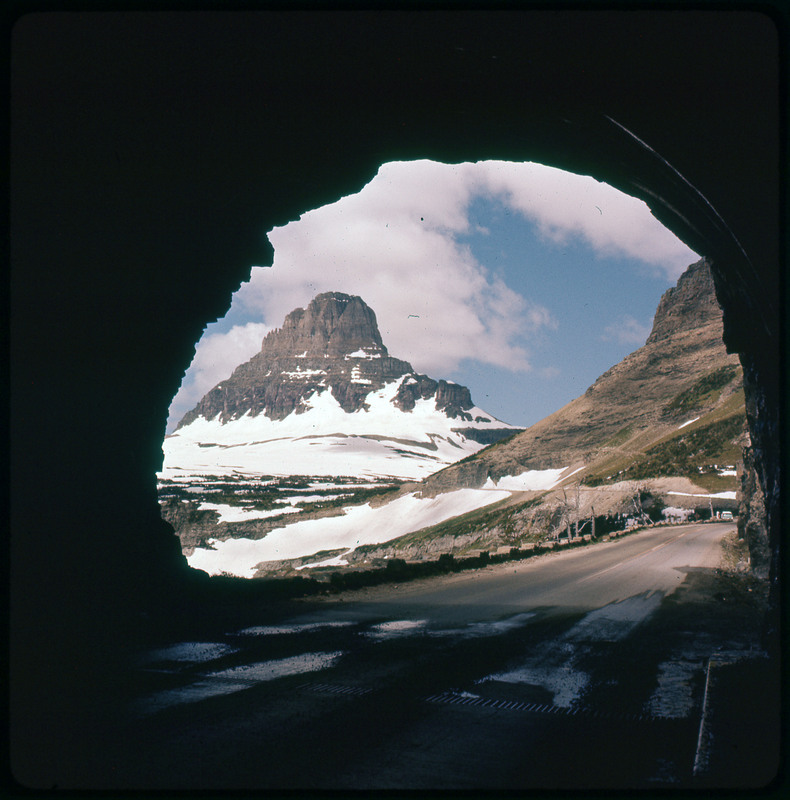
(216,356)
(626,331)
(563,204)
(395,243)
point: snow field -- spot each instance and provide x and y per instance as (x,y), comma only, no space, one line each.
(357,526)
(326,440)
(353,456)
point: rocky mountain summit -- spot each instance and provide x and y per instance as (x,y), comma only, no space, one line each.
(332,344)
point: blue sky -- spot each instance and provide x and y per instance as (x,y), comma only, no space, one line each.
(521,281)
(603,307)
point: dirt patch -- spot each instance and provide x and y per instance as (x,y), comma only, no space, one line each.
(738,596)
(735,553)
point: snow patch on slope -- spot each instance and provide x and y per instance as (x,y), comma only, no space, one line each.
(721,495)
(357,526)
(688,422)
(533,480)
(228,513)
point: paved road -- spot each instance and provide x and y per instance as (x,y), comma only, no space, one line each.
(585,578)
(538,674)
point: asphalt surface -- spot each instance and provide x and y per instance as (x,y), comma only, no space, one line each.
(586,578)
(574,670)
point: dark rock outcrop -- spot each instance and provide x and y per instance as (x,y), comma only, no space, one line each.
(688,305)
(752,520)
(452,398)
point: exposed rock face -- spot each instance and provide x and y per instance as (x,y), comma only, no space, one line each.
(689,305)
(334,342)
(752,520)
(333,324)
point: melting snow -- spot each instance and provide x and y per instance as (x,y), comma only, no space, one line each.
(480,629)
(687,423)
(295,627)
(234,680)
(391,630)
(358,525)
(615,621)
(533,480)
(563,681)
(722,495)
(195,652)
(552,664)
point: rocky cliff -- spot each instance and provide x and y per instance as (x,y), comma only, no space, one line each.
(690,305)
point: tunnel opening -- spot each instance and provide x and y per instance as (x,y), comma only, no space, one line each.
(508,308)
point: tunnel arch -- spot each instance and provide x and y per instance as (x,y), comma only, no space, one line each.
(679,110)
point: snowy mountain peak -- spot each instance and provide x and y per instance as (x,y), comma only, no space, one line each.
(326,374)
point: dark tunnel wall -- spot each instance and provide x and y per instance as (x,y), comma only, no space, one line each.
(151,153)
